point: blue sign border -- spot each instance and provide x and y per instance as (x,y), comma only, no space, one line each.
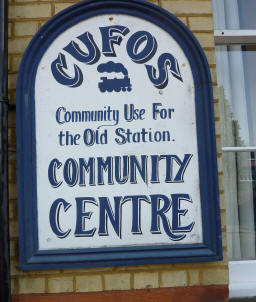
(31,258)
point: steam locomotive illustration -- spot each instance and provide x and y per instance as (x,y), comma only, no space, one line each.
(115,84)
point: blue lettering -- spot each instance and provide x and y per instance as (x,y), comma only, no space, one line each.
(108,40)
(165,61)
(54,164)
(141,47)
(155,169)
(158,213)
(106,165)
(177,213)
(62,77)
(107,212)
(93,55)
(82,215)
(160,210)
(136,211)
(136,166)
(86,166)
(119,132)
(58,112)
(55,217)
(134,43)
(70,172)
(89,137)
(121,170)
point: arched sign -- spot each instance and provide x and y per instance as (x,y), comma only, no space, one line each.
(116,143)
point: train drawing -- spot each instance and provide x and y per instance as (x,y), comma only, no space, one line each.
(115,84)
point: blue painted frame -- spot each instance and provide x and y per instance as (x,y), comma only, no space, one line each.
(31,258)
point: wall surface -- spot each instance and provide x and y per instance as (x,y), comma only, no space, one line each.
(182,282)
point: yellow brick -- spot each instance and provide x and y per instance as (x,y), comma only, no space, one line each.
(12,78)
(201,23)
(221,185)
(183,20)
(153,1)
(12,138)
(146,280)
(12,209)
(9,63)
(222,201)
(24,1)
(140,268)
(220,164)
(12,157)
(223,219)
(41,23)
(16,62)
(31,285)
(224,239)
(60,6)
(12,96)
(215,91)
(12,191)
(218,128)
(219,145)
(43,273)
(97,270)
(15,271)
(14,290)
(18,45)
(216,109)
(13,248)
(193,278)
(214,276)
(60,284)
(205,39)
(117,282)
(173,278)
(210,54)
(225,257)
(30,11)
(90,283)
(25,28)
(185,7)
(213,75)
(9,29)
(14,229)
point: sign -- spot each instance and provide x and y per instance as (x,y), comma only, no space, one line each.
(117,160)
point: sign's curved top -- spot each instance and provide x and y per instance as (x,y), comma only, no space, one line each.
(138,8)
(116,143)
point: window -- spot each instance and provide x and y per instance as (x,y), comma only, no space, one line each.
(235,37)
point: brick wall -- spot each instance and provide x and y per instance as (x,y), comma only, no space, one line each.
(25,18)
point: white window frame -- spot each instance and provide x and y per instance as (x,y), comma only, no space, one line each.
(242,274)
(229,37)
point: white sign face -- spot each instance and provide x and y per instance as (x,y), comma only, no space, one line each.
(116,142)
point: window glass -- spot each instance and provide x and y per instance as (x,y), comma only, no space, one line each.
(236,68)
(236,71)
(240,194)
(234,14)
(236,75)
(247,9)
